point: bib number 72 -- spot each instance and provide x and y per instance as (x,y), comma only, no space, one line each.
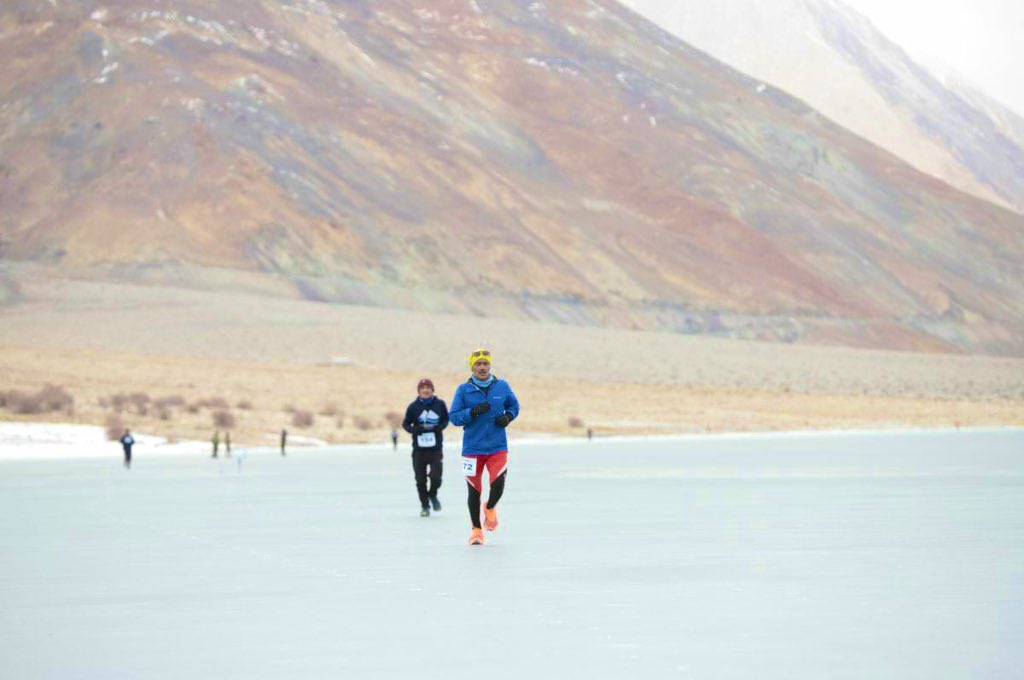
(469,466)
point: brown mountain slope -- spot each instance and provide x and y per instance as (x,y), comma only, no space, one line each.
(560,161)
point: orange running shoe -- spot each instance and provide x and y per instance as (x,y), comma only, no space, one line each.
(490,518)
(476,537)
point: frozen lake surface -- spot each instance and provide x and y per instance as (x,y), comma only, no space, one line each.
(856,556)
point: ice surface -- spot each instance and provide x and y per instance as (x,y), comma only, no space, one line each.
(857,556)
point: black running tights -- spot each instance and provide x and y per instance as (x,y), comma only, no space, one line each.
(497,488)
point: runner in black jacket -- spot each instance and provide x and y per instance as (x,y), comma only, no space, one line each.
(425,420)
(127,441)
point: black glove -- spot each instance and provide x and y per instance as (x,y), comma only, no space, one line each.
(480,409)
(417,429)
(503,420)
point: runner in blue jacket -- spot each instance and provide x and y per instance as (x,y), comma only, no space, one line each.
(484,406)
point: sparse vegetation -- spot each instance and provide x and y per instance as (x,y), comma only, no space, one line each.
(302,419)
(223,419)
(244,405)
(340,422)
(140,402)
(393,419)
(114,426)
(175,401)
(575,421)
(363,423)
(214,403)
(330,411)
(48,399)
(22,403)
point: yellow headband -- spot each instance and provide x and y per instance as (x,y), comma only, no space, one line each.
(480,355)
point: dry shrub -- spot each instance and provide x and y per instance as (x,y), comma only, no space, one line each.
(244,405)
(175,401)
(223,419)
(393,419)
(193,408)
(47,399)
(330,411)
(214,403)
(115,426)
(575,421)
(25,403)
(56,398)
(302,419)
(140,402)
(340,422)
(363,423)
(289,408)
(164,413)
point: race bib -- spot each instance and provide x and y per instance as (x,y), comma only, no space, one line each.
(427,440)
(469,466)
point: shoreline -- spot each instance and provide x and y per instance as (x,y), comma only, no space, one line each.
(81,442)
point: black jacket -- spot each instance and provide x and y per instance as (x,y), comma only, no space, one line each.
(424,417)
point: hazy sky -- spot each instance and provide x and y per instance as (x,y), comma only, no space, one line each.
(981,39)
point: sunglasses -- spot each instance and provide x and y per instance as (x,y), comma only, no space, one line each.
(481,353)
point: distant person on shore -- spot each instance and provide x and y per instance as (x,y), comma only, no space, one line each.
(590,434)
(227,444)
(284,440)
(216,442)
(484,406)
(127,441)
(394,439)
(425,419)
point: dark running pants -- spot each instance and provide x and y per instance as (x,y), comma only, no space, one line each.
(427,464)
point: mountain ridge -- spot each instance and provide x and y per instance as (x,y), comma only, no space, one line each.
(834,58)
(570,163)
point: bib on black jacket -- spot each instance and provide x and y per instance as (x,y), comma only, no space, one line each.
(425,419)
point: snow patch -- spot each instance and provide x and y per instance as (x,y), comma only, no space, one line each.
(104,75)
(194,105)
(366,57)
(555,64)
(36,441)
(261,35)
